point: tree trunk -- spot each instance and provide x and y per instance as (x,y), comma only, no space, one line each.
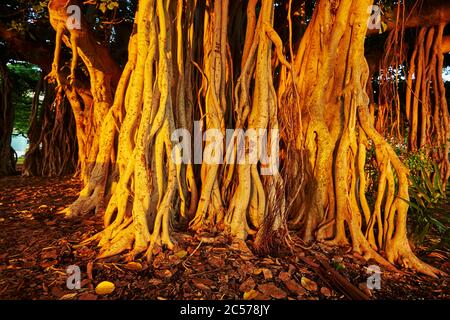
(104,75)
(426,104)
(52,147)
(140,185)
(8,157)
(331,75)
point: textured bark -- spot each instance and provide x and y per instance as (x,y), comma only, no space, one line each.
(215,81)
(426,104)
(104,75)
(331,76)
(8,157)
(52,147)
(319,98)
(144,177)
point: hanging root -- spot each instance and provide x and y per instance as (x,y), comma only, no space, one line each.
(139,208)
(396,244)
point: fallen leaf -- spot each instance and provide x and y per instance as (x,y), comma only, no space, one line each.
(216,262)
(249,295)
(87,296)
(267,274)
(155,282)
(258,271)
(247,285)
(284,276)
(168,273)
(308,284)
(261,296)
(294,286)
(181,254)
(68,296)
(200,284)
(163,273)
(134,266)
(104,288)
(90,267)
(325,291)
(49,254)
(57,292)
(272,290)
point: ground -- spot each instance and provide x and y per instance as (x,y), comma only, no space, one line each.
(37,245)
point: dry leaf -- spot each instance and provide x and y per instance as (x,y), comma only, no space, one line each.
(49,254)
(308,284)
(181,254)
(155,282)
(325,291)
(134,266)
(284,276)
(87,296)
(105,287)
(68,296)
(247,285)
(272,290)
(252,294)
(200,284)
(216,262)
(267,274)
(293,286)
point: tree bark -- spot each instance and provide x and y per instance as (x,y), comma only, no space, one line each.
(331,75)
(8,157)
(104,75)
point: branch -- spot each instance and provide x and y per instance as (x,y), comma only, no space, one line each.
(27,50)
(93,54)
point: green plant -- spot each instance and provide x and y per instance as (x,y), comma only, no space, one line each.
(429,210)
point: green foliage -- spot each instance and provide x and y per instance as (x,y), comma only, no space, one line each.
(418,162)
(428,200)
(24,77)
(338,266)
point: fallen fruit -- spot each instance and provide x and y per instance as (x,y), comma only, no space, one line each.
(104,288)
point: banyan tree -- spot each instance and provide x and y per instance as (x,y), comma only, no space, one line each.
(295,75)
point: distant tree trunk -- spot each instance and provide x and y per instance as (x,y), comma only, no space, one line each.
(426,104)
(52,147)
(8,157)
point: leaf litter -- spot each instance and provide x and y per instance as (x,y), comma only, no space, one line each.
(37,246)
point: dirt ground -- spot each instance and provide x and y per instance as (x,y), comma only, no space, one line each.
(37,246)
